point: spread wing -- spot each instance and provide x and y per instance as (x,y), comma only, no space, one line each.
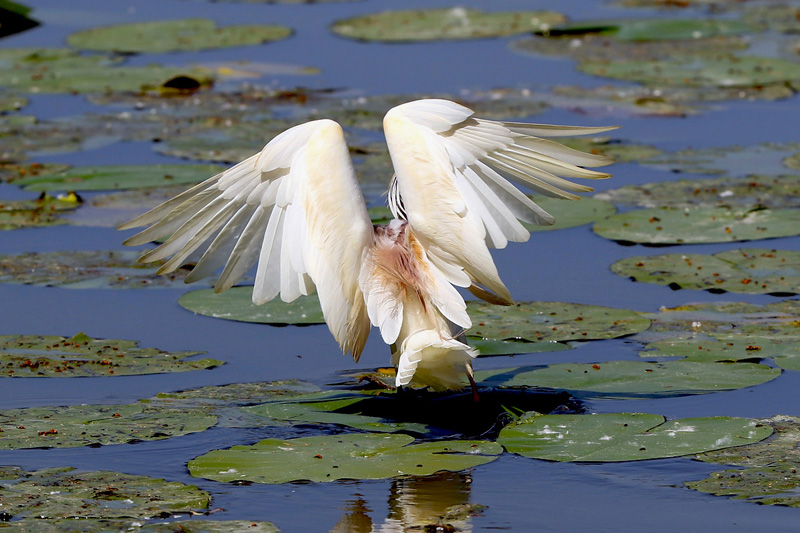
(450,186)
(295,208)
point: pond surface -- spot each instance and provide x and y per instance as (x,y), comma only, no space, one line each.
(567,265)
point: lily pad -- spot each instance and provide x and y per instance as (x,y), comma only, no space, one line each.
(92,425)
(613,437)
(57,493)
(717,71)
(699,225)
(237,304)
(52,356)
(747,270)
(734,161)
(114,177)
(84,270)
(546,322)
(655,29)
(62,70)
(489,347)
(793,161)
(97,525)
(571,214)
(761,190)
(238,393)
(454,23)
(160,36)
(334,457)
(725,348)
(635,379)
(44,211)
(771,467)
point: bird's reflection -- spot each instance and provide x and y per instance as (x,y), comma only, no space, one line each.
(440,502)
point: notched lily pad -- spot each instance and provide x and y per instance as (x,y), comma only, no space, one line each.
(93,425)
(44,211)
(237,304)
(698,225)
(615,437)
(635,379)
(162,36)
(58,493)
(747,270)
(85,270)
(770,476)
(81,355)
(546,322)
(443,24)
(346,456)
(115,177)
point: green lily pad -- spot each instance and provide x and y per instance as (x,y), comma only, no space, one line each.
(62,70)
(52,356)
(97,525)
(57,493)
(489,347)
(454,23)
(762,190)
(537,322)
(347,456)
(635,379)
(725,348)
(238,393)
(571,213)
(237,304)
(698,225)
(656,29)
(12,102)
(334,407)
(771,467)
(160,36)
(91,425)
(747,270)
(717,71)
(114,177)
(613,437)
(85,270)
(44,211)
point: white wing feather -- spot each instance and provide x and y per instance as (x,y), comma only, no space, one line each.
(450,169)
(295,208)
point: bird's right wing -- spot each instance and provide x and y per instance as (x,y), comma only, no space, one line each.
(295,208)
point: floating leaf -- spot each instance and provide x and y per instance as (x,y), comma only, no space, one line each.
(632,379)
(717,71)
(656,29)
(91,425)
(614,437)
(85,270)
(81,355)
(699,225)
(61,70)
(97,525)
(237,304)
(570,213)
(156,37)
(238,393)
(766,191)
(551,321)
(488,347)
(770,477)
(57,493)
(347,456)
(443,24)
(725,348)
(113,177)
(12,102)
(44,211)
(747,270)
(735,161)
(792,161)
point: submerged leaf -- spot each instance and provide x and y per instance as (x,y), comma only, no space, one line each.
(346,456)
(443,24)
(747,270)
(58,493)
(237,304)
(81,355)
(613,437)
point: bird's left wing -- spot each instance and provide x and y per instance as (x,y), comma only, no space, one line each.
(450,183)
(295,208)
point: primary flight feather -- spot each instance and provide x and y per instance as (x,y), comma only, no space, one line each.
(295,209)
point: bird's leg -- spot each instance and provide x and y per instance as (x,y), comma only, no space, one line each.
(475,396)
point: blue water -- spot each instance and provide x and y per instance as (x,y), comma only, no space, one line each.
(567,265)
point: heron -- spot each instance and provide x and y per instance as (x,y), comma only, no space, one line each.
(296,210)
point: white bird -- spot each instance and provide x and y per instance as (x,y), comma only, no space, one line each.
(296,209)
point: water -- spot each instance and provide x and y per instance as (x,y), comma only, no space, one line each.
(567,265)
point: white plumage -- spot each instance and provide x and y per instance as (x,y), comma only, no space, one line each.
(295,210)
